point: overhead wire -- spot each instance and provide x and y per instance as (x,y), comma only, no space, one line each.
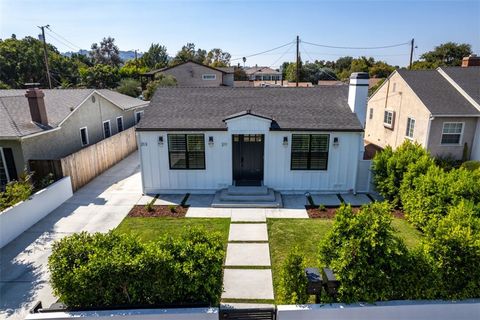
(49,28)
(357,48)
(263,52)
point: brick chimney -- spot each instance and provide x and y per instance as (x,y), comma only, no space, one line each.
(38,112)
(471,61)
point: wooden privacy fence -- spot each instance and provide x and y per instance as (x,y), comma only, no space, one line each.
(84,165)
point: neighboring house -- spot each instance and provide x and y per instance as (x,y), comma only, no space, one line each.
(263,74)
(440,109)
(371,82)
(40,124)
(194,74)
(289,139)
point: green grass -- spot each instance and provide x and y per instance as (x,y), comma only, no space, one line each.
(306,234)
(151,229)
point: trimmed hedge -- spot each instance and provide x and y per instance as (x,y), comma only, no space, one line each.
(102,270)
(293,280)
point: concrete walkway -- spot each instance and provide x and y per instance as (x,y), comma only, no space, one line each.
(99,206)
(247,273)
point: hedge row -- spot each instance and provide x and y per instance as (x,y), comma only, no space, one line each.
(373,264)
(102,270)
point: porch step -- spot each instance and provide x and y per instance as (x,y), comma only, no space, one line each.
(224,199)
(247,191)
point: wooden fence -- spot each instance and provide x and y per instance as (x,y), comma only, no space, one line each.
(86,164)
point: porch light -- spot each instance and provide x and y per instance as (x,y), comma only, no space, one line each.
(336,143)
(210,141)
(285,141)
(160,140)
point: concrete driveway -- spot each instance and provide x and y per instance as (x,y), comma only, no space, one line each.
(99,206)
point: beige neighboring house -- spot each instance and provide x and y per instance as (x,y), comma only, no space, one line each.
(440,109)
(263,74)
(194,74)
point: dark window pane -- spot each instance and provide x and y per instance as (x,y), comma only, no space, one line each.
(120,124)
(318,160)
(106,129)
(300,142)
(195,142)
(83,133)
(178,160)
(176,142)
(299,160)
(451,138)
(196,160)
(319,143)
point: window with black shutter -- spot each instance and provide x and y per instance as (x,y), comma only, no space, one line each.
(186,151)
(310,151)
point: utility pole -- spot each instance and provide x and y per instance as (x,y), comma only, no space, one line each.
(45,54)
(412,45)
(298,61)
(135,55)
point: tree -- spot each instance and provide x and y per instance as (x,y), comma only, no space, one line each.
(106,52)
(156,57)
(133,69)
(100,76)
(343,63)
(313,72)
(130,87)
(161,80)
(239,74)
(188,53)
(380,69)
(447,54)
(217,58)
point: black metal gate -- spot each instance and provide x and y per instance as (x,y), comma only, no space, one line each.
(248,314)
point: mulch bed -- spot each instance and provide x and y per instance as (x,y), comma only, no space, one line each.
(329,212)
(158,211)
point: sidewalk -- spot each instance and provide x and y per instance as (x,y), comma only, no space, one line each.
(97,207)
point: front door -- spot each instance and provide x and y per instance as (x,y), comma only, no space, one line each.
(248,159)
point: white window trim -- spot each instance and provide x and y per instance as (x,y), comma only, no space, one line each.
(406,129)
(386,124)
(109,127)
(138,112)
(460,142)
(4,164)
(123,125)
(86,134)
(209,74)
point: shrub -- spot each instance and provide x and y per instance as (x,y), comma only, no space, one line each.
(322,207)
(130,87)
(471,165)
(433,193)
(161,80)
(365,254)
(172,208)
(453,248)
(149,206)
(16,191)
(447,162)
(293,281)
(389,167)
(101,270)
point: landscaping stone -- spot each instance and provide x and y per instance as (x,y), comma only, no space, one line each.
(248,215)
(169,199)
(200,200)
(376,197)
(247,284)
(329,200)
(356,200)
(248,232)
(294,201)
(247,254)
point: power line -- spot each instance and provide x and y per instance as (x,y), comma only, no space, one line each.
(358,48)
(324,72)
(61,42)
(263,52)
(62,37)
(283,54)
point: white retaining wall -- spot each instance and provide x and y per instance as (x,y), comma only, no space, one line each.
(392,310)
(23,215)
(134,314)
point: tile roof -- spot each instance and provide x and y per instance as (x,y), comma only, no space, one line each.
(319,108)
(15,113)
(467,78)
(437,94)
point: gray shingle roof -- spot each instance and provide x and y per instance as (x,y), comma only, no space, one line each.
(437,94)
(467,78)
(319,108)
(15,113)
(261,70)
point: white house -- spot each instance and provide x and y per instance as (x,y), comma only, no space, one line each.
(201,140)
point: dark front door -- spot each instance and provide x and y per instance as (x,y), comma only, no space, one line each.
(248,159)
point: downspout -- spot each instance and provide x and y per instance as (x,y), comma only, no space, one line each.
(427,138)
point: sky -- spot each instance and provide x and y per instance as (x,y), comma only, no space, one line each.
(247,27)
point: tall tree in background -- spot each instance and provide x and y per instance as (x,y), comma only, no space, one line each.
(188,53)
(106,52)
(156,57)
(447,54)
(217,58)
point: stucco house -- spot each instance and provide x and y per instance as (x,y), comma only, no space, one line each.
(50,124)
(440,109)
(263,74)
(202,140)
(194,74)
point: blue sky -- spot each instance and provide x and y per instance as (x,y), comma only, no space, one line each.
(246,27)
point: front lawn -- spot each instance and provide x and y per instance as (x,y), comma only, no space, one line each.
(306,234)
(151,229)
